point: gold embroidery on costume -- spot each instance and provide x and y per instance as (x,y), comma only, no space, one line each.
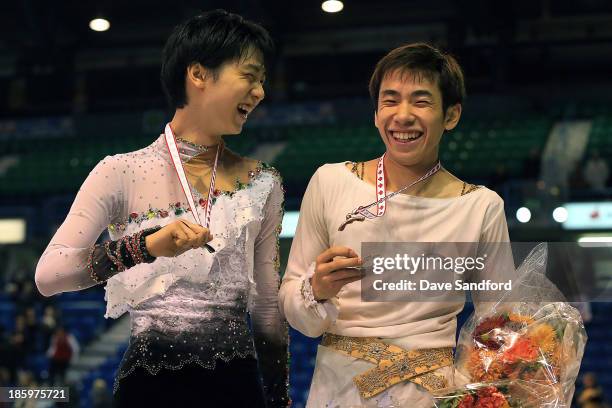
(466,190)
(393,364)
(355,169)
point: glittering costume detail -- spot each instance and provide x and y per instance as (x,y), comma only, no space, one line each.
(231,213)
(179,207)
(201,317)
(194,322)
(195,146)
(393,364)
(193,308)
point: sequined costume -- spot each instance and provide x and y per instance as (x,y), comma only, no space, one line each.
(191,309)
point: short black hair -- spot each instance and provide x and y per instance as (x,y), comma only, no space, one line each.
(211,39)
(423,60)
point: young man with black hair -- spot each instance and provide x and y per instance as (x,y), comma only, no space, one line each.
(194,235)
(386,354)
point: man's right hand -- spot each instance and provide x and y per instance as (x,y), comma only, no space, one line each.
(331,272)
(177,237)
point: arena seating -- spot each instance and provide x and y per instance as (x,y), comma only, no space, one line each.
(600,138)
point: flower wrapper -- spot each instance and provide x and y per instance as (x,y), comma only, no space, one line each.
(524,340)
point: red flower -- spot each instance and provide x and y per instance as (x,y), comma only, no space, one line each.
(466,402)
(202,202)
(490,397)
(216,192)
(177,204)
(133,215)
(484,332)
(163,213)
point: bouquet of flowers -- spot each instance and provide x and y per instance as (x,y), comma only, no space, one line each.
(526,343)
(500,394)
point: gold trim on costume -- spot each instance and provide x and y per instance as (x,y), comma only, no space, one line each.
(393,364)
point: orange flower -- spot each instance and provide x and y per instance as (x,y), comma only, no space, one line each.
(484,365)
(544,337)
(514,317)
(523,349)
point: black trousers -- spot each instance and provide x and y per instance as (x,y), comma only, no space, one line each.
(235,384)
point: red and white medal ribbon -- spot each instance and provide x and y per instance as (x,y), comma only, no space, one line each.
(381,187)
(362,212)
(180,172)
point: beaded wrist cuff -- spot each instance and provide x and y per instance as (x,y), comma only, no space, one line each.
(112,257)
(146,256)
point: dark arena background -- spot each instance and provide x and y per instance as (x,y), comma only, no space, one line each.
(536,128)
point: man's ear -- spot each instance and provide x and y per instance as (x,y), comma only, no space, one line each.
(451,118)
(197,75)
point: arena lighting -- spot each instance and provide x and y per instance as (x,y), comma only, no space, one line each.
(523,214)
(12,231)
(332,6)
(595,239)
(560,214)
(99,24)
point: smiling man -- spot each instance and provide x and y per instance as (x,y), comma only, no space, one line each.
(386,354)
(205,326)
